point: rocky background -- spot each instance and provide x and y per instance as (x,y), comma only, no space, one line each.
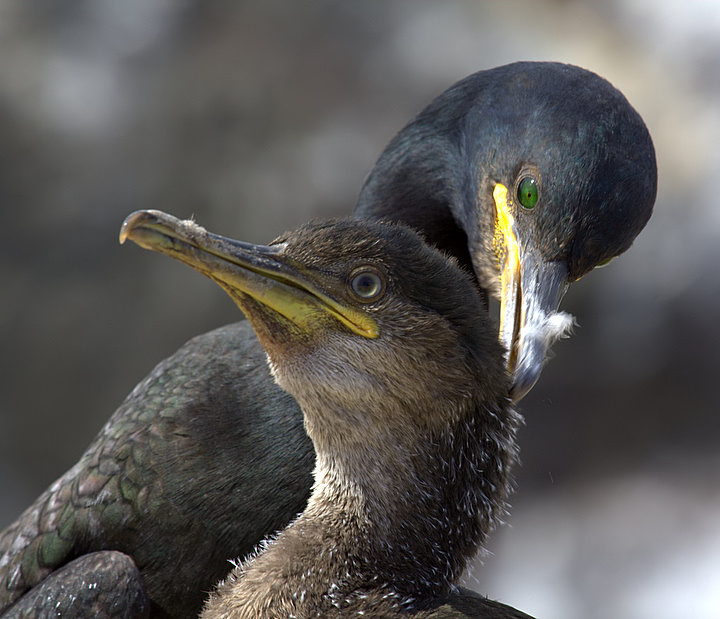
(255,116)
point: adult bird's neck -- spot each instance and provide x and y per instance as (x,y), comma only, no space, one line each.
(429,178)
(422,190)
(395,524)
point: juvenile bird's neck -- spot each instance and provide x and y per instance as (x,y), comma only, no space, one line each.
(393,525)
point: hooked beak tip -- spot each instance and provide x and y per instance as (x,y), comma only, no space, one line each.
(534,349)
(522,384)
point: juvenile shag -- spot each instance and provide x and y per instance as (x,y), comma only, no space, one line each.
(530,174)
(401,379)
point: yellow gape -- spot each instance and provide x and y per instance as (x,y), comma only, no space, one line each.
(507,251)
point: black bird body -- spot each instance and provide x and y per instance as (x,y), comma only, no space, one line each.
(140,486)
(151,482)
(403,387)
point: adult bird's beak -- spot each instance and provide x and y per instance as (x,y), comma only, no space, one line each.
(531,290)
(258,278)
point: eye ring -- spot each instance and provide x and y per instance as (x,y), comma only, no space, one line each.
(367,284)
(527,191)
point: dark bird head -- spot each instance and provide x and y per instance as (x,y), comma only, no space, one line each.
(531,174)
(351,313)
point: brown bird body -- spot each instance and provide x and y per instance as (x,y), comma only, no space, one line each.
(404,391)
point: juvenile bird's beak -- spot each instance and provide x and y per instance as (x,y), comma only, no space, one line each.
(269,287)
(530,293)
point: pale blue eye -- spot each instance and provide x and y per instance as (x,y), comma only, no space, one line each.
(367,285)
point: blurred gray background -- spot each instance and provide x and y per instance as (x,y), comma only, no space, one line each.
(255,116)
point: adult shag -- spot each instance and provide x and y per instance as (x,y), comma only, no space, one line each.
(401,379)
(531,174)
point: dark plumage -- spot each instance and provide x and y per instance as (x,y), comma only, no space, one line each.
(207,456)
(402,383)
(560,132)
(99,584)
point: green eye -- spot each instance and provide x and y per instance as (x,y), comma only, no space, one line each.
(527,192)
(367,284)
